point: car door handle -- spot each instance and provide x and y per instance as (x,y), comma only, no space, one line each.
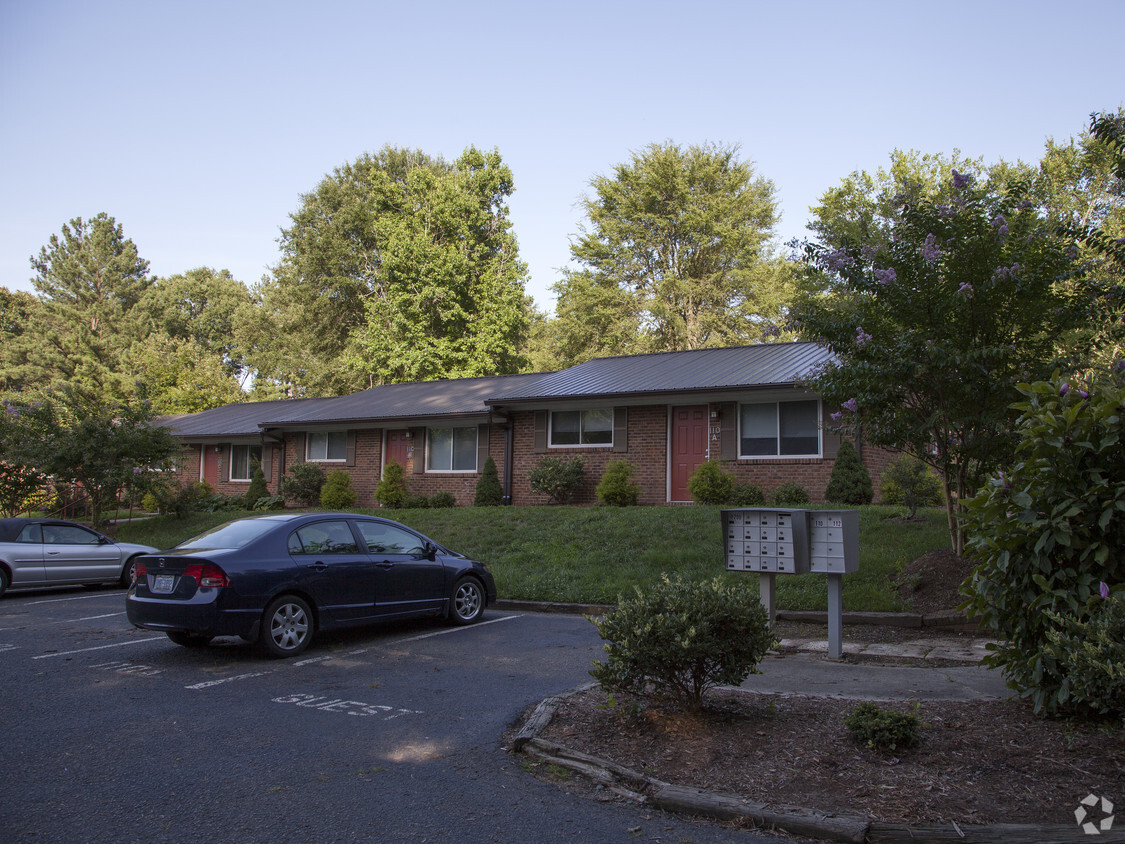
(385,564)
(320,566)
(54,553)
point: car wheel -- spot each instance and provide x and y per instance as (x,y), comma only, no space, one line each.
(287,627)
(127,572)
(3,580)
(467,604)
(190,640)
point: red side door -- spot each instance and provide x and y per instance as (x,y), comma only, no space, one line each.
(211,464)
(398,448)
(689,447)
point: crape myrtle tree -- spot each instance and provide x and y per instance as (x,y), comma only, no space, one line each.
(935,308)
(401,267)
(676,254)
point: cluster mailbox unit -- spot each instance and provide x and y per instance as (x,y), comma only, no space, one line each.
(793,541)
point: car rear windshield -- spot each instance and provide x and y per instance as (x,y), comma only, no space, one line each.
(230,535)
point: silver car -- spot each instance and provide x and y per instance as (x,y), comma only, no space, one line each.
(52,552)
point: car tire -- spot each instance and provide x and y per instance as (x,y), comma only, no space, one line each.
(287,627)
(466,605)
(3,580)
(189,640)
(127,572)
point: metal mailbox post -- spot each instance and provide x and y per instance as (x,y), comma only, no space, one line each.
(792,541)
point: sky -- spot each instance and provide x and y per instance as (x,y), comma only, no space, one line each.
(198,125)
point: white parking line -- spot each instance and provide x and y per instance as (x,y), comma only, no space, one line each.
(99,648)
(72,598)
(209,683)
(466,628)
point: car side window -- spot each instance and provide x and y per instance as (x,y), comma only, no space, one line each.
(31,533)
(324,538)
(388,539)
(69,535)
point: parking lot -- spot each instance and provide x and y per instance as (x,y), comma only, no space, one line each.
(393,732)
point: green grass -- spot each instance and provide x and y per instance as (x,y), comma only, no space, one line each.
(594,554)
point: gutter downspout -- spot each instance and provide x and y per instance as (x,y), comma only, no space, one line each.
(507,499)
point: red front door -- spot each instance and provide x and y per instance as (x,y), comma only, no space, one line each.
(689,447)
(211,464)
(398,448)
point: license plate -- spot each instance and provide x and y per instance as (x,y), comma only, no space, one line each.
(163,583)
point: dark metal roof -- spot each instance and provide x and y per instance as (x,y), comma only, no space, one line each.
(669,372)
(232,419)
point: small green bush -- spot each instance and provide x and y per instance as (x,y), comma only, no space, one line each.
(616,488)
(681,638)
(303,483)
(850,482)
(257,489)
(883,729)
(417,502)
(711,484)
(558,478)
(747,495)
(441,500)
(911,483)
(489,492)
(392,491)
(789,495)
(1090,656)
(337,492)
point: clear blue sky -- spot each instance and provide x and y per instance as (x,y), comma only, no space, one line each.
(197,125)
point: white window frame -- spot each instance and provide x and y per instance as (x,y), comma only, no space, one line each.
(327,435)
(581,428)
(249,461)
(777,412)
(430,451)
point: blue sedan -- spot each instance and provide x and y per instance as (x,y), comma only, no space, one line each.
(277,579)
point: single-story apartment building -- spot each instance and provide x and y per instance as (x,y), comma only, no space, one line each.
(665,413)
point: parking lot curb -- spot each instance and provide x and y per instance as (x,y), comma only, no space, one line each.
(794,820)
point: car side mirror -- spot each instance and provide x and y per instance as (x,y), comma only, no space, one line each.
(431,551)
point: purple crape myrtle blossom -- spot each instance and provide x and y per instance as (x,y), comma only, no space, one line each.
(838,260)
(944,210)
(965,290)
(1103,589)
(930,250)
(851,405)
(887,276)
(836,417)
(998,222)
(961,180)
(1064,389)
(861,337)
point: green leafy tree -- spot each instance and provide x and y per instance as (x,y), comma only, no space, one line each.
(23,424)
(910,482)
(489,492)
(935,314)
(850,482)
(20,342)
(180,376)
(404,267)
(89,278)
(676,255)
(1048,530)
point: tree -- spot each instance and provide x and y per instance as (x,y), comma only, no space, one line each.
(20,347)
(489,492)
(180,376)
(89,279)
(402,266)
(935,314)
(23,422)
(676,255)
(850,482)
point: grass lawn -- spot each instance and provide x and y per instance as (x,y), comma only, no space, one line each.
(594,554)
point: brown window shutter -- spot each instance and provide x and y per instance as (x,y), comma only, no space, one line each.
(299,448)
(540,431)
(350,448)
(728,431)
(482,446)
(620,429)
(226,453)
(267,463)
(419,461)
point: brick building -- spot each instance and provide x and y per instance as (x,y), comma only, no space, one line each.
(665,413)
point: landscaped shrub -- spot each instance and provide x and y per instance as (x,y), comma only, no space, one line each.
(1049,530)
(789,495)
(680,638)
(883,729)
(616,488)
(850,482)
(441,500)
(747,495)
(1090,655)
(557,477)
(489,493)
(911,483)
(711,484)
(303,484)
(257,489)
(337,492)
(392,491)
(416,502)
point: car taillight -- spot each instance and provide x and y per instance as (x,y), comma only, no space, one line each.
(138,572)
(207,574)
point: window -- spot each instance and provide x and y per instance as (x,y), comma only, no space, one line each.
(69,535)
(451,449)
(581,427)
(780,429)
(388,539)
(323,538)
(330,446)
(242,461)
